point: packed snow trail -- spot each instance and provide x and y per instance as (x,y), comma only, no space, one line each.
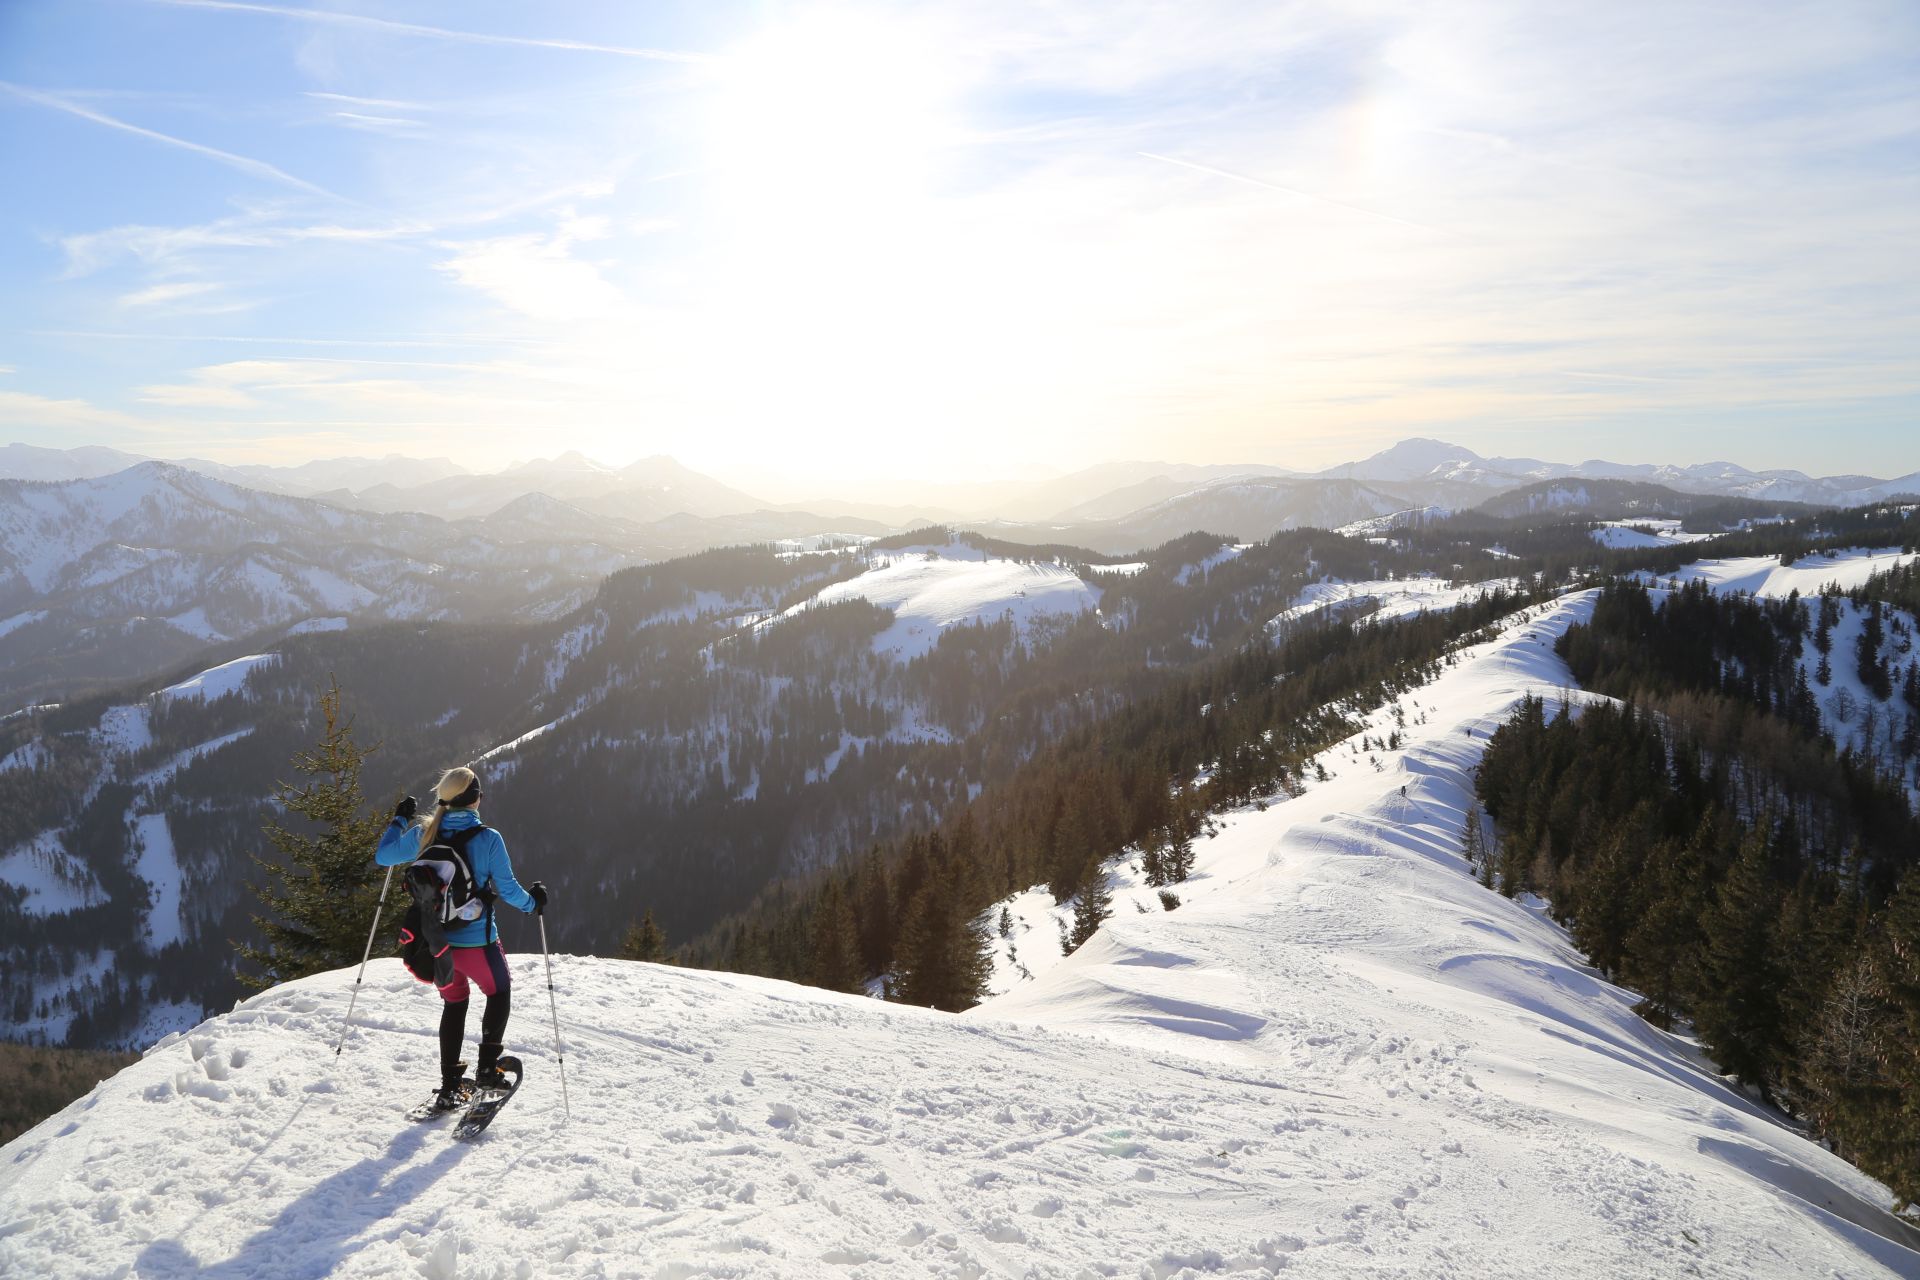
(1341,1058)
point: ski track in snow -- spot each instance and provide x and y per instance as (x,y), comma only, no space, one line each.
(1341,1058)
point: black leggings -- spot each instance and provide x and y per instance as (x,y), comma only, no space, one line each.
(489,966)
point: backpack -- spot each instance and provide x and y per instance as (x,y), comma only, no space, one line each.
(438,903)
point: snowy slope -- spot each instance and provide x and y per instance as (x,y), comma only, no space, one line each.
(932,588)
(1766,576)
(1636,535)
(1382,599)
(1341,1058)
(1849,710)
(218,682)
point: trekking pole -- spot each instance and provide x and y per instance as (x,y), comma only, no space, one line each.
(554,1008)
(378,908)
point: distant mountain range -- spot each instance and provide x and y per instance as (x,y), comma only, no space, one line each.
(1415,472)
(115,577)
(114,567)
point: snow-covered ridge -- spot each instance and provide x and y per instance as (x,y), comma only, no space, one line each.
(1341,1057)
(1766,576)
(930,589)
(1384,598)
(1636,535)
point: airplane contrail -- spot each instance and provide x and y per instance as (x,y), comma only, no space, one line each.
(258,168)
(333,18)
(1292,191)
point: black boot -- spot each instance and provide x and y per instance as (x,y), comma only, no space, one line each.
(488,1074)
(455,1091)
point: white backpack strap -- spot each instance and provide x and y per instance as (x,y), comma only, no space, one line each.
(448,914)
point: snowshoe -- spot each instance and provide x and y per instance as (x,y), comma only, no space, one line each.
(490,1093)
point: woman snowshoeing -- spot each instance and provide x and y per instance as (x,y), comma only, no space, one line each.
(472,951)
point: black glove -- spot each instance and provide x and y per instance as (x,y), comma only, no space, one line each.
(406,809)
(539,892)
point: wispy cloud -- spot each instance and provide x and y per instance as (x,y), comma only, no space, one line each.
(395,126)
(328,18)
(384,104)
(245,164)
(18,408)
(162,294)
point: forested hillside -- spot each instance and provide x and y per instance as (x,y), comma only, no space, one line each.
(699,729)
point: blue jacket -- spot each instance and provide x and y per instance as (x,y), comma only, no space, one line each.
(486,854)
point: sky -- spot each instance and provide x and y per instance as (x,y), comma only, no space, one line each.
(821,245)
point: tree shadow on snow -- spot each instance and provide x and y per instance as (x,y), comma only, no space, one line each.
(315,1232)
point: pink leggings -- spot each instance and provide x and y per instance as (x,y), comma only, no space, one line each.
(487,966)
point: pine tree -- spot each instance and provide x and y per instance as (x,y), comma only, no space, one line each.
(1894,1150)
(836,944)
(943,959)
(645,941)
(1661,946)
(1738,1009)
(1845,1087)
(1177,859)
(1473,841)
(321,888)
(1608,907)
(1092,905)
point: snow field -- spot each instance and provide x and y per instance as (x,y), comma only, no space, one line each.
(931,589)
(217,682)
(1389,598)
(1639,534)
(1341,1058)
(53,880)
(1766,576)
(1228,551)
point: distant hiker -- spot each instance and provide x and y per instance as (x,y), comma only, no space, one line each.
(459,867)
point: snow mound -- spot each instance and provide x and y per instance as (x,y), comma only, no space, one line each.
(931,589)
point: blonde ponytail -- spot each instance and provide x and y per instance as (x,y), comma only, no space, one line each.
(452,785)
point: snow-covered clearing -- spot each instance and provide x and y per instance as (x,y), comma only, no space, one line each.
(18,620)
(815,543)
(1848,709)
(124,730)
(28,755)
(160,868)
(1227,551)
(507,748)
(310,625)
(1766,576)
(181,759)
(217,682)
(53,879)
(1378,526)
(1341,1058)
(51,1027)
(194,623)
(1130,569)
(1382,599)
(931,589)
(1639,534)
